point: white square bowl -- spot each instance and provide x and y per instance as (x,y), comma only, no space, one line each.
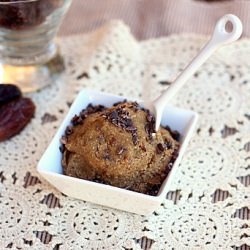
(50,166)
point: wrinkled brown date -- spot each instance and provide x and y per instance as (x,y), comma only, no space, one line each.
(9,92)
(14,116)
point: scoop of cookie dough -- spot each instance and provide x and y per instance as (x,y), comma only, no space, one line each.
(118,146)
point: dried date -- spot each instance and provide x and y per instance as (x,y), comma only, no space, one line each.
(9,92)
(14,116)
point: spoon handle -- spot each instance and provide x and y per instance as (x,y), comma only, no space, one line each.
(220,37)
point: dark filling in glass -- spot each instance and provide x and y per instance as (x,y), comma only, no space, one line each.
(22,15)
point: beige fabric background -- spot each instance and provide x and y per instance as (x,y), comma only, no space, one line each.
(154,18)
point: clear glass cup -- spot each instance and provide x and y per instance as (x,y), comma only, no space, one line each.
(28,55)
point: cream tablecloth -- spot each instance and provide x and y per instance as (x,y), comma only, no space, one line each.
(208,206)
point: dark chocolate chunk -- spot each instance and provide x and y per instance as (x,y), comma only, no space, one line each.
(74,120)
(113,115)
(69,130)
(90,109)
(150,124)
(143,148)
(106,156)
(62,148)
(63,140)
(174,133)
(99,180)
(149,118)
(160,148)
(131,128)
(121,150)
(121,118)
(168,144)
(154,190)
(117,103)
(135,138)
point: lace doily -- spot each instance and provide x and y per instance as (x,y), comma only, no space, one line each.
(208,206)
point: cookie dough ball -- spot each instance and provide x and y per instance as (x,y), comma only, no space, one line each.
(117,146)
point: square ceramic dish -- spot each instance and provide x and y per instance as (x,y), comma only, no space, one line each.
(50,166)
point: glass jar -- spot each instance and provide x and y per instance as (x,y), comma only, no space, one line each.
(28,55)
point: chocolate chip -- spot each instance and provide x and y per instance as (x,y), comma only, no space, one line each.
(98,179)
(150,124)
(120,150)
(149,128)
(117,103)
(74,120)
(90,109)
(69,130)
(168,144)
(100,108)
(168,128)
(62,148)
(149,117)
(146,127)
(143,148)
(154,190)
(129,124)
(84,114)
(135,138)
(160,148)
(63,139)
(174,133)
(113,115)
(121,118)
(106,156)
(131,128)
(170,165)
(172,160)
(80,120)
(111,140)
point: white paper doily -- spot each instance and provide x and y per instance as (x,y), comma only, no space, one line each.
(33,215)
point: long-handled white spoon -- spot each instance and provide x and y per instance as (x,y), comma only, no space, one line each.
(220,37)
